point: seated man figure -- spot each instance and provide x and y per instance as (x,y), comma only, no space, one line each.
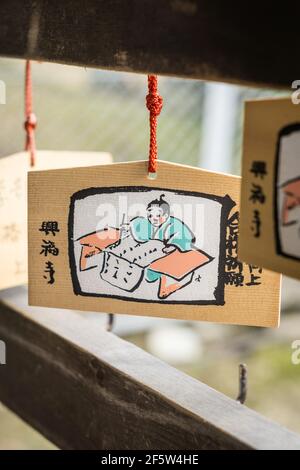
(160,225)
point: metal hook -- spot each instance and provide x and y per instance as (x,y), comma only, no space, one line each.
(243,384)
(110,321)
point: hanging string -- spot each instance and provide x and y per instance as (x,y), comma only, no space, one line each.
(154,103)
(30,118)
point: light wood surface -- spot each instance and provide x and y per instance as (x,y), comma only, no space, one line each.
(263,121)
(49,199)
(13,205)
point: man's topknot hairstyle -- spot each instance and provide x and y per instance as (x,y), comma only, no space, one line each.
(162,203)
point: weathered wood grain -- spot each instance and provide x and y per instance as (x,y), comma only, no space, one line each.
(213,40)
(88,389)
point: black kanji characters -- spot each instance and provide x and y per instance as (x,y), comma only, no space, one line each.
(257,194)
(256,223)
(49,271)
(259,169)
(49,226)
(48,247)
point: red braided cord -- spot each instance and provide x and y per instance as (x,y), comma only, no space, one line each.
(154,103)
(30,118)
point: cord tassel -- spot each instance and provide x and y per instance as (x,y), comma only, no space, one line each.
(30,118)
(154,103)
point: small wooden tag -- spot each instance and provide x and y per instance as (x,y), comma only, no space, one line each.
(13,205)
(270,201)
(108,239)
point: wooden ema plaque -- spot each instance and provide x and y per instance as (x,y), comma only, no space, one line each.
(270,198)
(13,205)
(108,239)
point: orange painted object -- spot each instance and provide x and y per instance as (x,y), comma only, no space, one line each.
(291,200)
(96,242)
(179,264)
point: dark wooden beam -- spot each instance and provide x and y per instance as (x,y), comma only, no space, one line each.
(249,43)
(85,388)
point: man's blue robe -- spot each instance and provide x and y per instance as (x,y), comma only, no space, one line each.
(172,232)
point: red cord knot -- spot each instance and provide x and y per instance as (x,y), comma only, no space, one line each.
(30,123)
(154,103)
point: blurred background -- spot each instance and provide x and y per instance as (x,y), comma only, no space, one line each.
(201,125)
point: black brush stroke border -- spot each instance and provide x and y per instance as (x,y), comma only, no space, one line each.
(284,131)
(226,205)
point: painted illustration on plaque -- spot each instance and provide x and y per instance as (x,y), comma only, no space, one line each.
(150,245)
(287,191)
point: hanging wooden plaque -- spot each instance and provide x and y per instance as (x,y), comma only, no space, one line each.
(270,200)
(108,239)
(13,205)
